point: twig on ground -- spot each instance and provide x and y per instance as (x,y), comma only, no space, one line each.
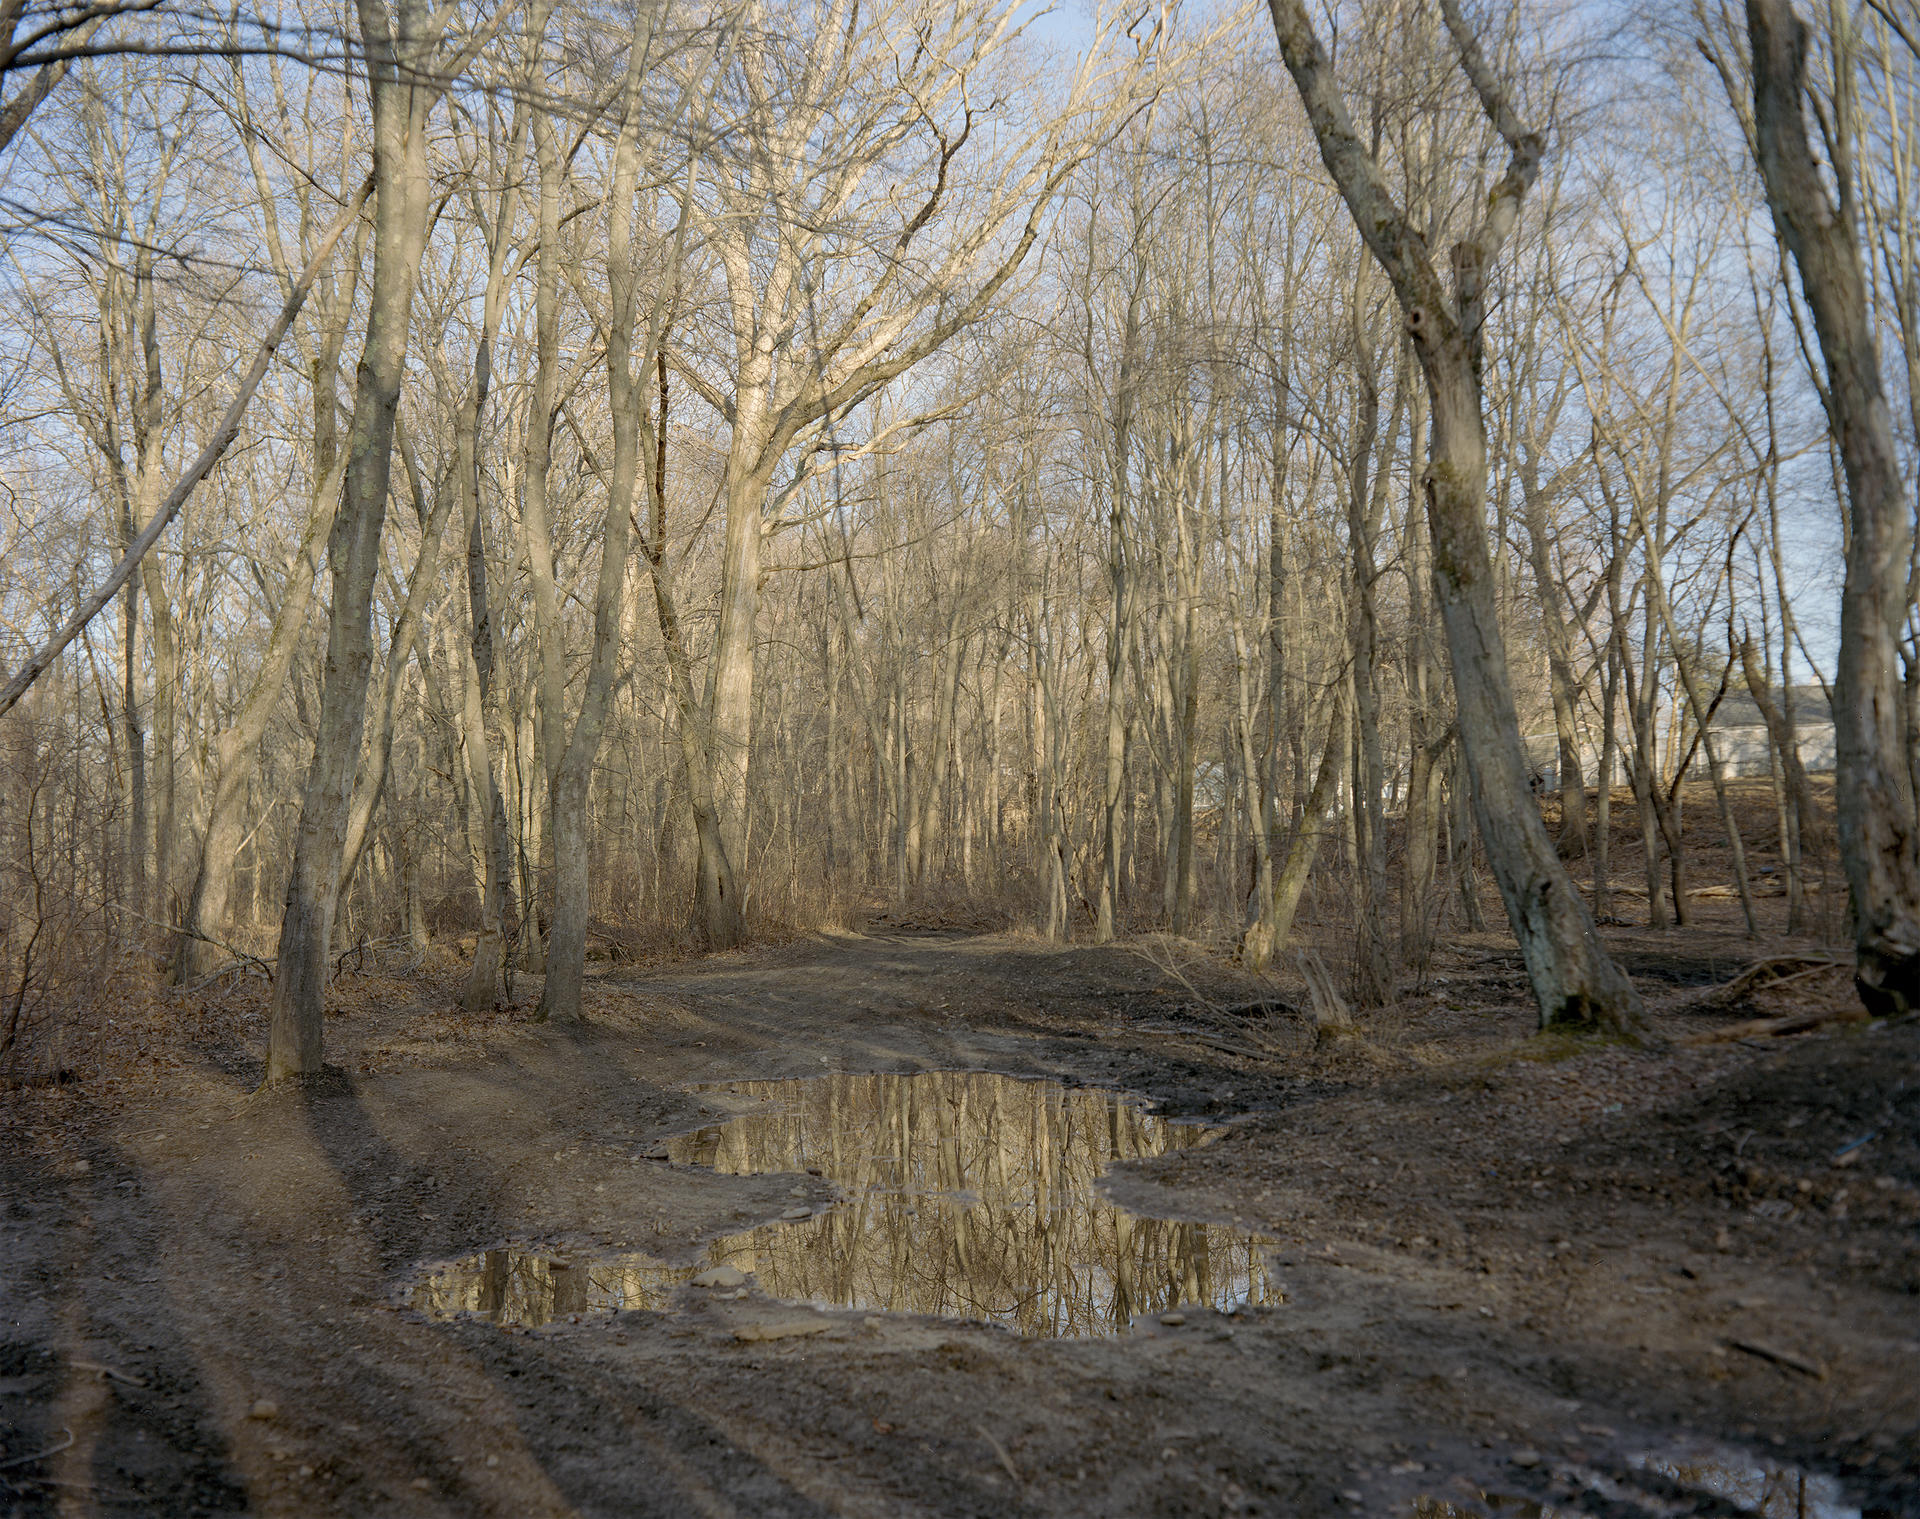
(40,1455)
(107,1371)
(1218,1020)
(1166,963)
(1840,1155)
(1005,1459)
(1780,1357)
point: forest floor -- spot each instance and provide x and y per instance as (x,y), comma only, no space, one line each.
(1521,1276)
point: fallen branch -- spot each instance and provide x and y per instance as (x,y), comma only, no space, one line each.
(1769,1028)
(1768,972)
(250,963)
(240,956)
(357,951)
(1212,1041)
(12,1082)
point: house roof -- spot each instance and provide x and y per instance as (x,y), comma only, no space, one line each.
(1738,709)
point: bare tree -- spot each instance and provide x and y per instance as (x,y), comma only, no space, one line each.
(400,46)
(1818,224)
(1574,979)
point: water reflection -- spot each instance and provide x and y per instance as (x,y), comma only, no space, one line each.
(1753,1486)
(1733,1481)
(527,1288)
(967,1194)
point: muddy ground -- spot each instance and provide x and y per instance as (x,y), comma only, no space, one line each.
(1514,1270)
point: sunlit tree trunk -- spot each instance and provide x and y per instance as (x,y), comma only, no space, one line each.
(629,475)
(1270,932)
(396,45)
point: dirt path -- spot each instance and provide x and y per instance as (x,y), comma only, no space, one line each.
(1512,1276)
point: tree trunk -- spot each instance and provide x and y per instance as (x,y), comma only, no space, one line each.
(132,723)
(1429,731)
(627,401)
(420,585)
(1366,507)
(1799,793)
(1877,835)
(1119,459)
(496,909)
(1271,931)
(400,106)
(1603,797)
(1564,688)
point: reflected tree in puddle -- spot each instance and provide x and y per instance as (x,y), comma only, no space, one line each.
(1729,1482)
(1752,1486)
(965,1194)
(530,1288)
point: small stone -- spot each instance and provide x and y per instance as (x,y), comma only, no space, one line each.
(421,1484)
(1525,1458)
(798,1213)
(264,1408)
(720,1276)
(493,1460)
(81,1167)
(306,1471)
(1173,1320)
(1351,1496)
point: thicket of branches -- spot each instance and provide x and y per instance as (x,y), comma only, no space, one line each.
(744,466)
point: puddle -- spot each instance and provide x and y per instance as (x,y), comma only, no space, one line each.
(965,1194)
(1753,1485)
(1733,1481)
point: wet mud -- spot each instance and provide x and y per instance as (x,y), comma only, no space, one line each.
(1497,1279)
